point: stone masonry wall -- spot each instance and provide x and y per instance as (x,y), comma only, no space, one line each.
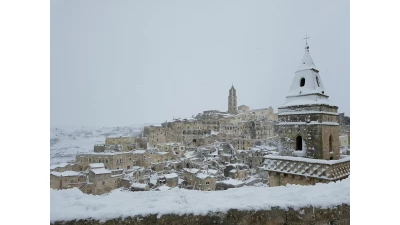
(339,215)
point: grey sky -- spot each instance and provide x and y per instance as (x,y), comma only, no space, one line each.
(131,62)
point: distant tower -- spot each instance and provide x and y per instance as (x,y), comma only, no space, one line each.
(232,101)
(308,123)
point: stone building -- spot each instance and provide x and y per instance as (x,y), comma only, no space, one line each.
(308,129)
(213,125)
(111,160)
(242,143)
(262,129)
(66,179)
(171,180)
(232,101)
(102,181)
(175,148)
(236,171)
(308,124)
(142,158)
(243,108)
(139,187)
(199,180)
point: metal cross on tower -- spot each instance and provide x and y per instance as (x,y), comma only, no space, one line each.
(306,39)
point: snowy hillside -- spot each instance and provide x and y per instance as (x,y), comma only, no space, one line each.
(66,142)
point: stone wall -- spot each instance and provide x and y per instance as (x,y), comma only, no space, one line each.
(339,215)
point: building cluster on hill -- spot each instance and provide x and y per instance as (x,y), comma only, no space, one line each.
(306,142)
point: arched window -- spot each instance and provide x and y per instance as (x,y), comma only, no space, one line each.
(302,82)
(299,143)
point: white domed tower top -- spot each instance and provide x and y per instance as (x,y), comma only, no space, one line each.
(307,87)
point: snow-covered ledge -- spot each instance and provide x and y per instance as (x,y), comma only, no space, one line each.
(71,204)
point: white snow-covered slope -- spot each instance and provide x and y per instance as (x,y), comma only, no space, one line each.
(66,142)
(72,204)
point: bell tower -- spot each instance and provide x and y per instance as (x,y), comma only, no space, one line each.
(308,125)
(232,101)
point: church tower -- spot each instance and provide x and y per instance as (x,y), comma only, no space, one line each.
(308,124)
(232,101)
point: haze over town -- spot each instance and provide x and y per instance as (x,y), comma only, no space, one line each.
(148,62)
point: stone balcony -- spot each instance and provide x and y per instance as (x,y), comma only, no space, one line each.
(284,170)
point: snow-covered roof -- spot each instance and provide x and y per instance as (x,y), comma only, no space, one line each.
(306,112)
(231,181)
(65,173)
(162,153)
(139,151)
(189,154)
(164,188)
(52,167)
(96,165)
(211,171)
(307,87)
(171,175)
(72,204)
(310,123)
(100,171)
(139,185)
(309,160)
(104,153)
(191,170)
(203,175)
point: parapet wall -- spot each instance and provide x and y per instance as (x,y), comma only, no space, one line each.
(339,215)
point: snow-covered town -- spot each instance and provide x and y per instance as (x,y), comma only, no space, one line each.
(306,142)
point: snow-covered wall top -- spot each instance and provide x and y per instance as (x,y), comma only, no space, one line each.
(72,204)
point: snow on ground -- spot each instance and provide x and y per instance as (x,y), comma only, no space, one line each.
(234,182)
(65,142)
(73,204)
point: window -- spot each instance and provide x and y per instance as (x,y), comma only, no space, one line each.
(299,143)
(106,160)
(302,82)
(207,182)
(317,80)
(99,160)
(103,182)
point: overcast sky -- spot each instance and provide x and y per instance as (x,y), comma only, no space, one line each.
(127,62)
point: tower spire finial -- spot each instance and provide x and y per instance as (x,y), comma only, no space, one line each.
(306,42)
